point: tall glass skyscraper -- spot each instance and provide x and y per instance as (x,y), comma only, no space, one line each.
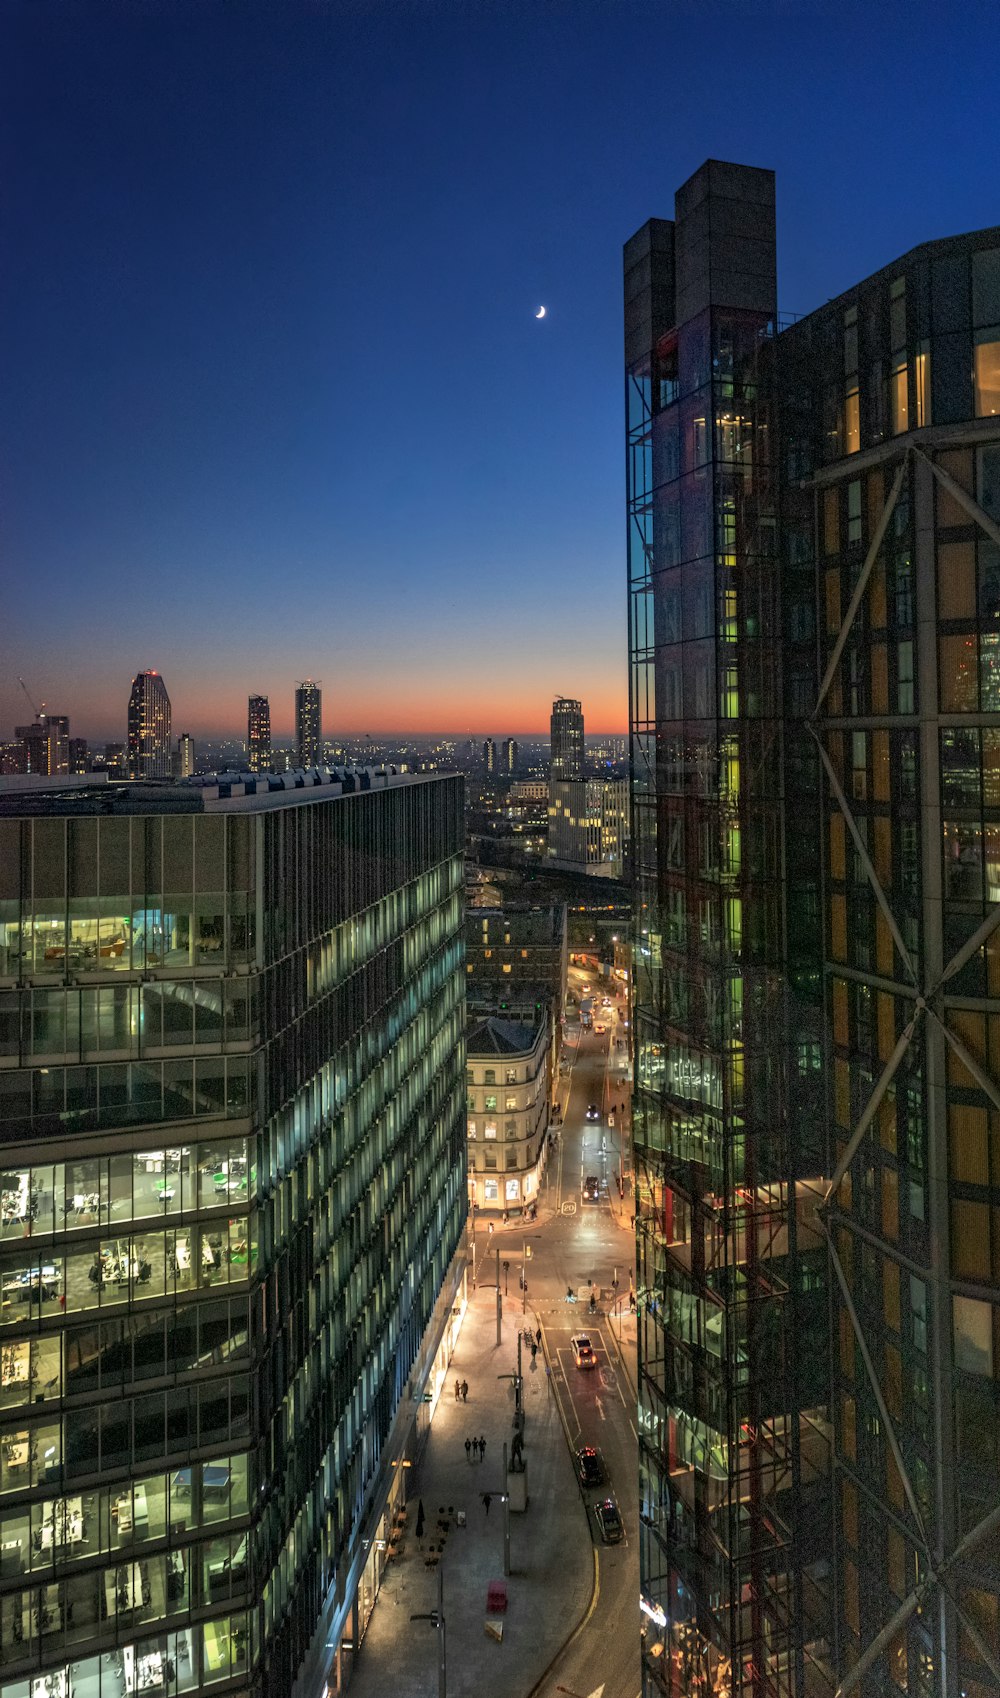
(149,748)
(566,746)
(259,734)
(814,538)
(308,723)
(233,1184)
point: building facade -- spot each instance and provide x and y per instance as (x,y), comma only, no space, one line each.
(45,744)
(184,756)
(727,993)
(489,757)
(589,826)
(232,1101)
(814,541)
(891,395)
(508,1093)
(308,723)
(149,746)
(259,734)
(566,740)
(510,757)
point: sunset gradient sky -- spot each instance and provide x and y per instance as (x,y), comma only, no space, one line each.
(275,401)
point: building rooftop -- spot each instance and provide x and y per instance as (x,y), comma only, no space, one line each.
(499,1037)
(217,792)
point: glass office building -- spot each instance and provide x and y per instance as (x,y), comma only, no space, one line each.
(232,1186)
(814,552)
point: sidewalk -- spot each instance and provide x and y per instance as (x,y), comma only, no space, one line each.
(552,1562)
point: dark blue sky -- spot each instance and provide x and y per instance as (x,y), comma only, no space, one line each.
(274,399)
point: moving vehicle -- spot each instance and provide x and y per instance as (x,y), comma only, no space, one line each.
(583,1351)
(609,1521)
(592,1189)
(589,1466)
(593,1112)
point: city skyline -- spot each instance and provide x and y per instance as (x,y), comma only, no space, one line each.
(199,368)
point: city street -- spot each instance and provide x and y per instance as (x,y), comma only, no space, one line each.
(583,1247)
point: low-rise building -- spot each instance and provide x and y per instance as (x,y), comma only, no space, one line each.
(508,1091)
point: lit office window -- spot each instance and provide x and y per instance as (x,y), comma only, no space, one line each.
(898,398)
(987,372)
(852,421)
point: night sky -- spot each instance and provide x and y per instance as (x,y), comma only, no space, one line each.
(274,399)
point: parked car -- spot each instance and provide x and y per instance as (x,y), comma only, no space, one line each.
(592,1189)
(583,1351)
(593,1112)
(589,1466)
(609,1521)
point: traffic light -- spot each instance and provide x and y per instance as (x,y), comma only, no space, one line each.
(527,1252)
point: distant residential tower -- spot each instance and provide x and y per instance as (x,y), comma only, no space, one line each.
(567,740)
(308,723)
(149,752)
(259,734)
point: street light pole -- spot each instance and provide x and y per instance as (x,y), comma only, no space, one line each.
(442,1667)
(506,1522)
(436,1619)
(499,1298)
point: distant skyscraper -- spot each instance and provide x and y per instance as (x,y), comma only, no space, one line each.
(308,723)
(149,752)
(259,734)
(510,754)
(567,740)
(489,757)
(45,743)
(184,765)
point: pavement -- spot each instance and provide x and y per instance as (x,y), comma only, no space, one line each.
(552,1581)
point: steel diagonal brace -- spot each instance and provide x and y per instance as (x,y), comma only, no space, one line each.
(963,498)
(859,844)
(983,1080)
(989,1524)
(861,585)
(969,948)
(895,1625)
(871,1107)
(890,1431)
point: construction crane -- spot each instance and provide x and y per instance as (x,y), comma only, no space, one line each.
(38,715)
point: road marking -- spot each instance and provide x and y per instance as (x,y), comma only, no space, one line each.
(569,1208)
(600,1408)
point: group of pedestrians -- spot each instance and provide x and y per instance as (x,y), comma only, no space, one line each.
(475,1448)
(461,1391)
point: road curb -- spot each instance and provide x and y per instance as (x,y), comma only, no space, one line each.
(595,1591)
(626,1370)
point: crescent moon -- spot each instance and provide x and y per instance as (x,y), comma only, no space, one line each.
(540,313)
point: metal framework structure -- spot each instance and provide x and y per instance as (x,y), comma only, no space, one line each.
(939,1583)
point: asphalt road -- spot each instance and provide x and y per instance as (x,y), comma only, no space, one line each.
(584,1247)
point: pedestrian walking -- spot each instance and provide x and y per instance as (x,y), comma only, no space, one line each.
(468,1447)
(482,1447)
(538,1338)
(465,1391)
(420,1519)
(458,1391)
(486,1502)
